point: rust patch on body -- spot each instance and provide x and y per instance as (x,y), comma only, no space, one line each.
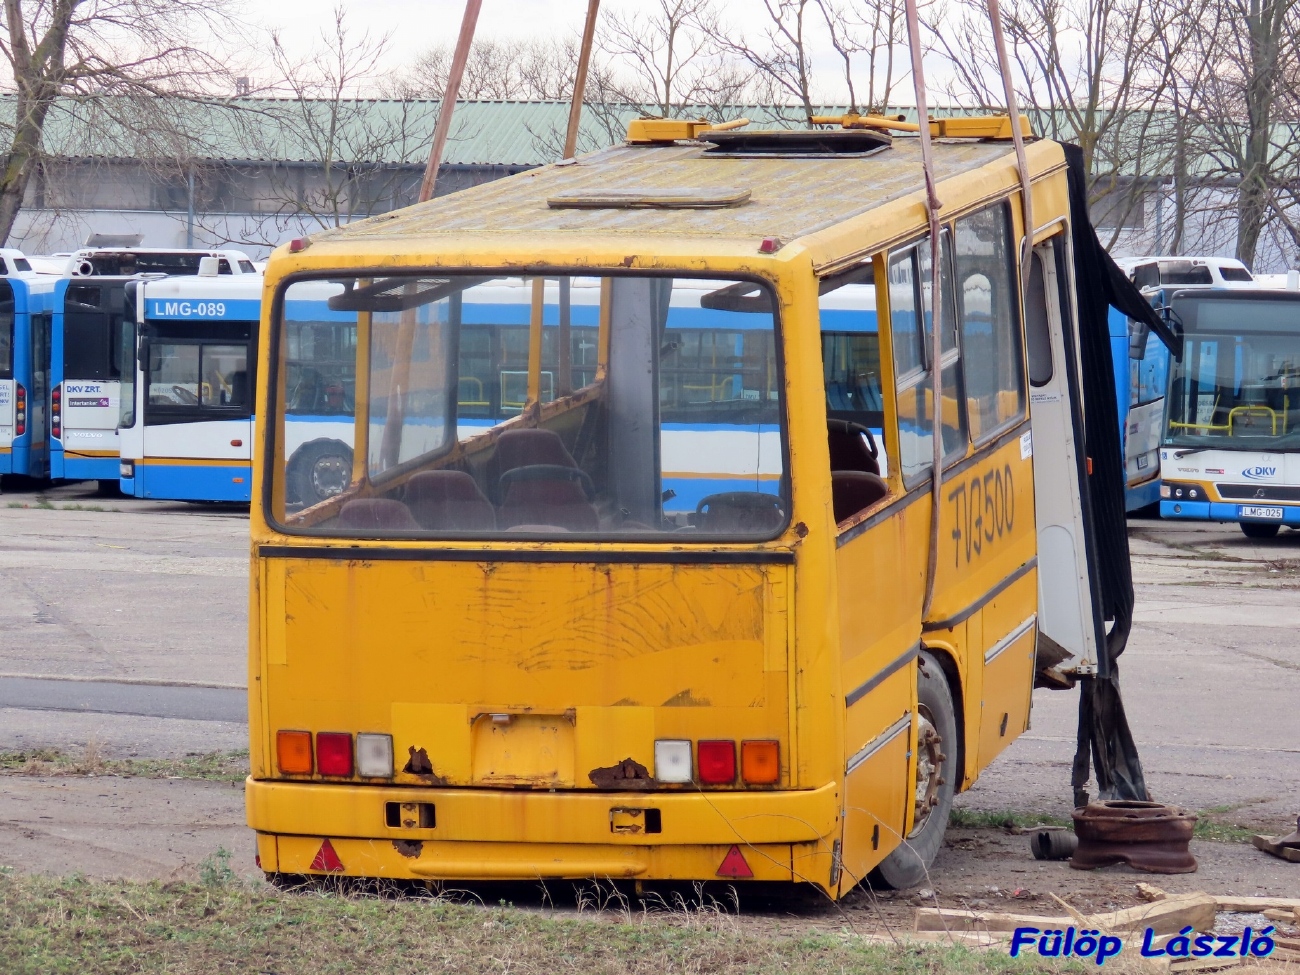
(409,848)
(419,764)
(627,774)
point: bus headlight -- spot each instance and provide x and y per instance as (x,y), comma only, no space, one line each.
(126,469)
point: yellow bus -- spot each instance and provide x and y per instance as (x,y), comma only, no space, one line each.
(628,577)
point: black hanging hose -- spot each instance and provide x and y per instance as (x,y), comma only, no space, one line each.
(1104,737)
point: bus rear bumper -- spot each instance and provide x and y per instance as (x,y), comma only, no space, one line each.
(480,834)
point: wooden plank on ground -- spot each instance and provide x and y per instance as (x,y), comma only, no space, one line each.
(1254,905)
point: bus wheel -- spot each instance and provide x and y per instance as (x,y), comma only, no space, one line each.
(1259,529)
(936,781)
(320,470)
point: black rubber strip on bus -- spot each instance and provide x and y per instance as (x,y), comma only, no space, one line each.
(1104,735)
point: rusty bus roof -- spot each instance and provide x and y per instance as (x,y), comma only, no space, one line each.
(789,198)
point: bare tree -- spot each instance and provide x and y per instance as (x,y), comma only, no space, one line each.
(497,70)
(871,32)
(334,155)
(65,53)
(1089,71)
(1247,65)
(780,57)
(667,55)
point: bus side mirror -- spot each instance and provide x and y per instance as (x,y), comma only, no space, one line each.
(143,357)
(1138,333)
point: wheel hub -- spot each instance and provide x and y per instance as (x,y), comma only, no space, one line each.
(329,476)
(929,765)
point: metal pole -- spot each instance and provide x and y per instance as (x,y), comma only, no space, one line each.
(932,206)
(189,210)
(580,80)
(1022,165)
(448,106)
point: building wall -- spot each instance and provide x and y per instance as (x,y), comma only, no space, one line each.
(253,206)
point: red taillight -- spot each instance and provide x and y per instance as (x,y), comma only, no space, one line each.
(716,762)
(20,410)
(334,753)
(56,414)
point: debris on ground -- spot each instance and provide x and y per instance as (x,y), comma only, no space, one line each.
(1284,847)
(1170,921)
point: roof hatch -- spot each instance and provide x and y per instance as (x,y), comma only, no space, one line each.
(797,143)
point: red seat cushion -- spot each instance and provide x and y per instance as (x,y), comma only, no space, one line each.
(552,501)
(525,448)
(376,514)
(449,501)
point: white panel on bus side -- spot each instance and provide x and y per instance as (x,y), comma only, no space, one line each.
(1065,615)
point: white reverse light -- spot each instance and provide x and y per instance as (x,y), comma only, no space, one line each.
(672,760)
(375,756)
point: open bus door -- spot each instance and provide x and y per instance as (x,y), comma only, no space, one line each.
(1068,617)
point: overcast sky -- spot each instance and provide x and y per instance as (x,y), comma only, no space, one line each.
(416,25)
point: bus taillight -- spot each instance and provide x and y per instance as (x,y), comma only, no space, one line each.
(760,762)
(716,761)
(334,753)
(20,410)
(56,414)
(293,752)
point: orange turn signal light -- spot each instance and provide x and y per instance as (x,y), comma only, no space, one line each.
(760,762)
(293,752)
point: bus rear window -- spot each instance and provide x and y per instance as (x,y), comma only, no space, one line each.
(635,407)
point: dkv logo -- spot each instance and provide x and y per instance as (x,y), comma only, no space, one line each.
(1259,473)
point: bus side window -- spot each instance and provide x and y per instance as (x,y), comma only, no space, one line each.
(909,289)
(990,336)
(854,400)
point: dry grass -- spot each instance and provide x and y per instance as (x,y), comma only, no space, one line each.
(212,766)
(79,926)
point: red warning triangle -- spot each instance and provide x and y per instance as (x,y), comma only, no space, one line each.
(328,860)
(733,864)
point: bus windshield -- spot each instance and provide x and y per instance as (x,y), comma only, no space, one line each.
(1238,382)
(630,406)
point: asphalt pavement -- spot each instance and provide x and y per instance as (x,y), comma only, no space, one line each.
(127,626)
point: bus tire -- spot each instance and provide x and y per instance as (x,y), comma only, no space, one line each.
(936,772)
(1259,529)
(319,470)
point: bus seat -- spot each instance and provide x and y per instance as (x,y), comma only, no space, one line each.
(739,512)
(529,447)
(376,514)
(853,491)
(556,501)
(849,447)
(448,501)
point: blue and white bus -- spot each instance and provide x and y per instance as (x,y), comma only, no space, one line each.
(186,416)
(1231,445)
(1141,363)
(92,320)
(26,394)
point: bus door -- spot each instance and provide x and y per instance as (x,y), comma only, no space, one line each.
(88,365)
(198,416)
(1067,626)
(8,382)
(880,574)
(37,399)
